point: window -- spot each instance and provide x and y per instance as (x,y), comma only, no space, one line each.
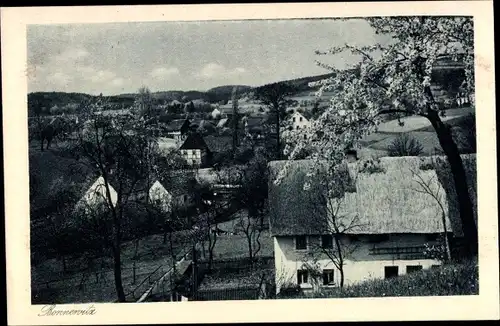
(302,276)
(297,127)
(431,237)
(293,119)
(328,277)
(391,271)
(326,242)
(413,268)
(301,242)
(300,119)
(376,238)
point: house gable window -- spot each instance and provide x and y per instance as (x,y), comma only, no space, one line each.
(413,268)
(391,271)
(328,277)
(301,242)
(302,276)
(300,119)
(326,241)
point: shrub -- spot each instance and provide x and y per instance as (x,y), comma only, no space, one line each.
(453,279)
(371,166)
(405,145)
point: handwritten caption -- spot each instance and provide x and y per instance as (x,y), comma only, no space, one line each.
(52,310)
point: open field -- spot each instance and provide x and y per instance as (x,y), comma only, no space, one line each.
(51,284)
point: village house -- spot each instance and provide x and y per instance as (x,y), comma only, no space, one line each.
(215,114)
(195,151)
(392,220)
(298,121)
(175,191)
(178,129)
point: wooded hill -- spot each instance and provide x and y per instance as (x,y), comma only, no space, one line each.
(47,100)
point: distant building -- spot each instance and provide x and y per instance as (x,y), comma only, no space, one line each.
(215,114)
(178,129)
(298,121)
(175,191)
(195,151)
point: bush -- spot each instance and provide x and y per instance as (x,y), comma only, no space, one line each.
(371,166)
(453,279)
(405,145)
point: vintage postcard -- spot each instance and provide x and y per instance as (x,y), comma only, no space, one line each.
(250,163)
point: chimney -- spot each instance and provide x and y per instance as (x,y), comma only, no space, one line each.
(351,155)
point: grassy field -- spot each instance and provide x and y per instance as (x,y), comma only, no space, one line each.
(51,285)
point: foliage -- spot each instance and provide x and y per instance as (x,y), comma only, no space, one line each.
(437,250)
(453,279)
(465,133)
(393,78)
(405,145)
(371,165)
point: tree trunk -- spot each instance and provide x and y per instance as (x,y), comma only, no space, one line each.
(341,270)
(250,249)
(118,273)
(450,149)
(135,261)
(278,145)
(63,259)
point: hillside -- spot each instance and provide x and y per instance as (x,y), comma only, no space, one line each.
(217,94)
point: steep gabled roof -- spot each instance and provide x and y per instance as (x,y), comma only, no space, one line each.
(194,141)
(174,125)
(383,202)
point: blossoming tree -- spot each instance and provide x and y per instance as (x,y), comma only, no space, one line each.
(395,78)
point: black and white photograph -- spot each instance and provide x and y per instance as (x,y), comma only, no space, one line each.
(304,158)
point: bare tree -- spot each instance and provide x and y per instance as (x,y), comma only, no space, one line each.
(252,197)
(431,187)
(335,227)
(118,150)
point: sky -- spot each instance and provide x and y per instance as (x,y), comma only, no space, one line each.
(116,58)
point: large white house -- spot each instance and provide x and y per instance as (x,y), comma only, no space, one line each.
(391,218)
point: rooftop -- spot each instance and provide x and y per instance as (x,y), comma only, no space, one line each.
(381,202)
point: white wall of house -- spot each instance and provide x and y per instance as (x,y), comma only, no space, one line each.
(96,194)
(193,156)
(158,193)
(359,266)
(298,121)
(215,113)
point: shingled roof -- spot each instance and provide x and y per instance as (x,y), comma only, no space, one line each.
(383,202)
(194,141)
